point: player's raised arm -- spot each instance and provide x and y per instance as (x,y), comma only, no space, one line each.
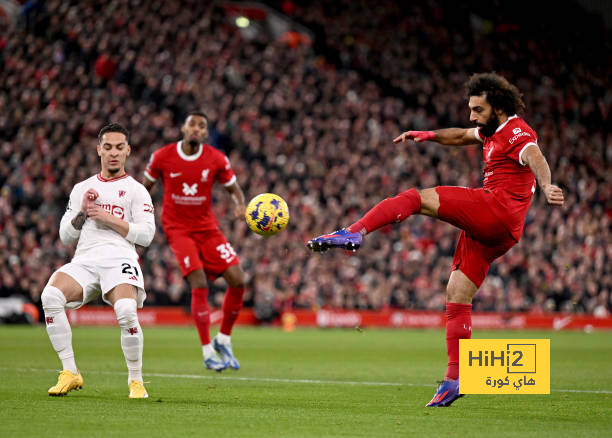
(533,157)
(448,136)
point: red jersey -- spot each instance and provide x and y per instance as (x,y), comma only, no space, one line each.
(188,182)
(506,175)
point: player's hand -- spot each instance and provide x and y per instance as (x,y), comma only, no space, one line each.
(89,199)
(417,136)
(554,195)
(239,211)
(97,213)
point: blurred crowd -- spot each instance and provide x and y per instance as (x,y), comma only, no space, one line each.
(314,124)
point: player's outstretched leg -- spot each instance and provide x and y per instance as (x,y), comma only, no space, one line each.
(60,334)
(388,211)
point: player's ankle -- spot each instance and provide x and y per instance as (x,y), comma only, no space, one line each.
(208,351)
(357,227)
(222,338)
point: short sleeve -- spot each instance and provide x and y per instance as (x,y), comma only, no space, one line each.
(225,175)
(153,171)
(520,140)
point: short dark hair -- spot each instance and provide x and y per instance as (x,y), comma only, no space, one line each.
(197,113)
(500,93)
(114,127)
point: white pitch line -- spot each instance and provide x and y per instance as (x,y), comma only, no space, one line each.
(278,380)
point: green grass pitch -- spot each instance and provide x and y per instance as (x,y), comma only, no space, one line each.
(307,383)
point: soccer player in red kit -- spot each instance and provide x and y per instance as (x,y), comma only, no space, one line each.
(491,218)
(188,169)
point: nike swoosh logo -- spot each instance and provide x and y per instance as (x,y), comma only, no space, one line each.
(174,175)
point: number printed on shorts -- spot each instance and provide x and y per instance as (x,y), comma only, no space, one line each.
(129,269)
(226,251)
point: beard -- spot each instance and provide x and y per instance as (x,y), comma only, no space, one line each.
(489,128)
(193,142)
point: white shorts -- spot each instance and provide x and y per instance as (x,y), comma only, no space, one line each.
(103,277)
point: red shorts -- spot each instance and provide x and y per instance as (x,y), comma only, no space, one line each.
(483,238)
(208,250)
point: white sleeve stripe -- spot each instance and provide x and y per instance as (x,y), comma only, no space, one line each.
(477,134)
(230,182)
(523,150)
(149,176)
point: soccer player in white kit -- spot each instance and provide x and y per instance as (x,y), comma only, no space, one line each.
(108,214)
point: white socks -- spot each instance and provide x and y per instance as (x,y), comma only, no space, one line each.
(60,334)
(131,337)
(223,338)
(208,351)
(58,327)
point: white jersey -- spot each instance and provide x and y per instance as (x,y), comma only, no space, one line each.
(123,197)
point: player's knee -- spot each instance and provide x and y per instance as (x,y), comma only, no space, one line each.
(197,280)
(53,300)
(238,280)
(430,202)
(454,293)
(458,294)
(125,310)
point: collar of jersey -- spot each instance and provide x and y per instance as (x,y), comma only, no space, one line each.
(500,127)
(101,178)
(184,156)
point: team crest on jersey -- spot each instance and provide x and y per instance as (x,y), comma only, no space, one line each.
(190,189)
(205,175)
(516,130)
(121,193)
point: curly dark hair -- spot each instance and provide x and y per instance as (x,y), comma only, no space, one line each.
(114,127)
(500,93)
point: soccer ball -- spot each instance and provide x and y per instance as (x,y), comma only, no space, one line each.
(267,214)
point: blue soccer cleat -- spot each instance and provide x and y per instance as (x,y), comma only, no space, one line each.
(338,239)
(225,350)
(213,363)
(447,393)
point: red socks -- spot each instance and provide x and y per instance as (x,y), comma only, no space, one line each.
(458,326)
(389,211)
(201,314)
(232,303)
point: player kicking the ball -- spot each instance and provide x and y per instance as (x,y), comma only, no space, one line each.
(491,218)
(108,214)
(188,170)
